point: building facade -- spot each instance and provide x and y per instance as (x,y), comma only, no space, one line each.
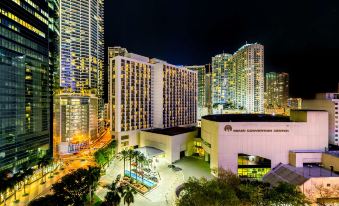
(330,103)
(175,95)
(238,80)
(236,142)
(203,83)
(130,98)
(276,90)
(81,59)
(25,85)
(145,94)
(220,79)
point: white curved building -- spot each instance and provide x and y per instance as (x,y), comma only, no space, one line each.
(225,137)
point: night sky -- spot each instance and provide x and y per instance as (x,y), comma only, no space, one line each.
(301,37)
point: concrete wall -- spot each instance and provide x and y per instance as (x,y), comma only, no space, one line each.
(327,105)
(133,139)
(299,158)
(171,145)
(225,146)
(158,99)
(330,160)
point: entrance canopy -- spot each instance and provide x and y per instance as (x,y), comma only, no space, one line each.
(150,151)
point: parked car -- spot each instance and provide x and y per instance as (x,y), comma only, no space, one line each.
(171,166)
(176,169)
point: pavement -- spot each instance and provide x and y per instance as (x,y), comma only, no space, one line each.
(164,192)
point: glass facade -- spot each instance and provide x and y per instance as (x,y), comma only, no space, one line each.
(25,84)
(252,167)
(276,90)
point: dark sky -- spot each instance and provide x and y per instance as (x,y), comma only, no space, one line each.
(301,37)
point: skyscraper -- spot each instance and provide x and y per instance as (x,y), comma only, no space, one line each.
(276,90)
(145,94)
(203,83)
(81,73)
(25,82)
(238,80)
(220,79)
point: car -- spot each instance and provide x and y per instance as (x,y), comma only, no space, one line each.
(176,169)
(171,166)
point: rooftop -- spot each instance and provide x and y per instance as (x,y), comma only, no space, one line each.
(172,131)
(246,118)
(296,175)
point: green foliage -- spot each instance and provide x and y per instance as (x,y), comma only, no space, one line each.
(129,195)
(73,188)
(49,200)
(104,155)
(227,189)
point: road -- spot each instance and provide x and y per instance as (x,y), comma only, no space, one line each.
(68,164)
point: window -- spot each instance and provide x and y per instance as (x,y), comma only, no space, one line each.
(124,137)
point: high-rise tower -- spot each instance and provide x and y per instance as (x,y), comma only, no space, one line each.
(276,90)
(25,82)
(78,101)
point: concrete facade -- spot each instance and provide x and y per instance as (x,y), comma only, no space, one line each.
(171,145)
(270,140)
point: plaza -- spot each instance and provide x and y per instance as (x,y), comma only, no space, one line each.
(169,180)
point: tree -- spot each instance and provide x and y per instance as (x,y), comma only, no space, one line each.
(73,188)
(49,200)
(130,157)
(285,194)
(100,157)
(136,155)
(27,173)
(115,194)
(129,195)
(43,163)
(123,155)
(93,175)
(4,185)
(141,160)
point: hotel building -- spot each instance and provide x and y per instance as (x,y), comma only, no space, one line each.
(81,71)
(145,94)
(251,144)
(238,80)
(130,98)
(175,95)
(330,103)
(25,87)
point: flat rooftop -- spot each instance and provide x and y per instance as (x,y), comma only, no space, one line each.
(246,118)
(172,131)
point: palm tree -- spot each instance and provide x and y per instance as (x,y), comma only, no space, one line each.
(3,187)
(27,173)
(123,155)
(136,155)
(43,163)
(130,157)
(114,195)
(129,195)
(142,159)
(93,175)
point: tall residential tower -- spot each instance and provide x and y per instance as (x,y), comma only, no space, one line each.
(238,80)
(78,102)
(276,90)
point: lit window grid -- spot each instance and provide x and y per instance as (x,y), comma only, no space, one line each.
(180,96)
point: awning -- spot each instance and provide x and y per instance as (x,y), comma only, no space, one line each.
(150,151)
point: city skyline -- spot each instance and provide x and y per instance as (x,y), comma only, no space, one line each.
(294,43)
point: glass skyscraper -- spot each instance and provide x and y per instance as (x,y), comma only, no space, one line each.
(80,87)
(25,82)
(276,90)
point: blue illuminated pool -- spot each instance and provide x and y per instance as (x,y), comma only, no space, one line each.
(146,182)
